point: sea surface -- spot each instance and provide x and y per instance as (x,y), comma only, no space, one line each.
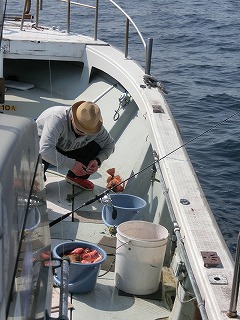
(196,56)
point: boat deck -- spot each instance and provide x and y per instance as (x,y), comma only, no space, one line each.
(105,301)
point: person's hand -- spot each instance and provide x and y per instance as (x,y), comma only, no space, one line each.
(92,167)
(79,169)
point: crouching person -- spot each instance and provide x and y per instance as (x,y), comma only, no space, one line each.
(74,137)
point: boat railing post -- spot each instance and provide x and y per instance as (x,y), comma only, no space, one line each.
(23,14)
(126,38)
(68,16)
(232,312)
(96,21)
(148,56)
(2,82)
(37,13)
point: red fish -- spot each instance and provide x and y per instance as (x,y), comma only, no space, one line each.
(114,182)
(84,256)
(77,251)
(111,172)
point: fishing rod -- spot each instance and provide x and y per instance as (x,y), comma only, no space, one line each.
(104,193)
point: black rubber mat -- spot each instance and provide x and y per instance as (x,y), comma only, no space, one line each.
(153,296)
(108,244)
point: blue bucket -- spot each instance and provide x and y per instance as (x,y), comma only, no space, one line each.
(82,277)
(124,207)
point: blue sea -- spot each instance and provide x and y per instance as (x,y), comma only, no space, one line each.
(196,55)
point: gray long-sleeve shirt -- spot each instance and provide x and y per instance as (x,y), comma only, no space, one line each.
(55,130)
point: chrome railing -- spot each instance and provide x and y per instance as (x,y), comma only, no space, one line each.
(147,46)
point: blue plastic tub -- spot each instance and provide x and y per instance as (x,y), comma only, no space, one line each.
(82,277)
(124,207)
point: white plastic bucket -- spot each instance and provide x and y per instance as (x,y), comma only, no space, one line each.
(140,252)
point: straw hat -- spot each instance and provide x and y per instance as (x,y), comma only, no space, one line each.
(87,117)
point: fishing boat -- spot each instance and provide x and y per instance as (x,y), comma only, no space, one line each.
(43,66)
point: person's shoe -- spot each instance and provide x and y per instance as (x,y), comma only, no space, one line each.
(82,183)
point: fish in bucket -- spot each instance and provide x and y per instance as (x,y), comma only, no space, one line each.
(85,263)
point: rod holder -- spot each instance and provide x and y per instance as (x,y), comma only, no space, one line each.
(232,312)
(148,55)
(63,305)
(126,38)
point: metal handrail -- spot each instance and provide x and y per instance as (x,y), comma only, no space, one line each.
(132,22)
(96,18)
(148,49)
(147,46)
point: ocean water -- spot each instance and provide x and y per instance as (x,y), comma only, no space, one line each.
(196,50)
